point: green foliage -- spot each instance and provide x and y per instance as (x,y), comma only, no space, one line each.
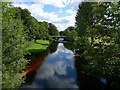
(43,31)
(19,28)
(70,33)
(13,49)
(37,46)
(31,25)
(53,30)
(84,17)
(32,28)
(104,31)
(0,45)
(71,28)
(43,42)
(100,42)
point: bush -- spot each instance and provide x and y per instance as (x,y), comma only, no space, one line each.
(13,46)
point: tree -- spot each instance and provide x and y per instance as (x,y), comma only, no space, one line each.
(70,33)
(32,28)
(53,30)
(71,28)
(31,25)
(43,30)
(84,17)
(102,50)
(106,22)
(13,47)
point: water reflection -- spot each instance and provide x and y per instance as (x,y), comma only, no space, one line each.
(96,74)
(35,62)
(56,72)
(84,80)
(53,47)
(61,39)
(98,69)
(59,67)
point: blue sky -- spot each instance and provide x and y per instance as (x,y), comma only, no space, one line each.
(59,12)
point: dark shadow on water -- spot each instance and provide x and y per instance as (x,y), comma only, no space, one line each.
(35,62)
(95,73)
(96,76)
(53,47)
(54,66)
(84,80)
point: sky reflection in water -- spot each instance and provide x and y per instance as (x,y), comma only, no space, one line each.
(57,71)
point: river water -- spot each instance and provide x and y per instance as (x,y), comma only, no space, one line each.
(56,69)
(59,67)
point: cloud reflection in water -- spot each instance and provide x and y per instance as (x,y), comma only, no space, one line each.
(57,71)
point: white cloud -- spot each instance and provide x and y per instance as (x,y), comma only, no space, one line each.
(37,12)
(61,22)
(60,10)
(70,11)
(74,1)
(57,3)
(23,6)
(60,27)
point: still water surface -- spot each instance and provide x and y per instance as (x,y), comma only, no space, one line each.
(55,69)
(59,67)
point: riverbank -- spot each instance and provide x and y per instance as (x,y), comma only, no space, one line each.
(37,46)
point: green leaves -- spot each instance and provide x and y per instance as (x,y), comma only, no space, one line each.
(37,46)
(70,33)
(84,17)
(53,30)
(19,28)
(13,51)
(100,42)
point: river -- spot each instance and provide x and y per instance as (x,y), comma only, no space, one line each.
(56,69)
(59,67)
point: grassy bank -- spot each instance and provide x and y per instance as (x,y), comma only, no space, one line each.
(37,46)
